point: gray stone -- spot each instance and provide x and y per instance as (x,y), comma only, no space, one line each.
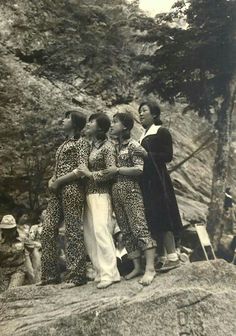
(196,299)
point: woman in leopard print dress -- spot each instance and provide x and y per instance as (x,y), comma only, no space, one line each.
(67,197)
(127,198)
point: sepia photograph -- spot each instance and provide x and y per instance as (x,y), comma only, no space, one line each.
(117,167)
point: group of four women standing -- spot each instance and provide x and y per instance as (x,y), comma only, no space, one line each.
(93,178)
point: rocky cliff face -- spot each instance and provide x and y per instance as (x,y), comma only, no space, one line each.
(51,60)
(45,70)
(46,67)
(197,299)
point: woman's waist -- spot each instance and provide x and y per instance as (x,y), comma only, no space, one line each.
(65,168)
(96,168)
(126,179)
(151,170)
(98,187)
(125,183)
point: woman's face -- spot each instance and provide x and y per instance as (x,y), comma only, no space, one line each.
(91,128)
(67,123)
(23,219)
(117,127)
(145,116)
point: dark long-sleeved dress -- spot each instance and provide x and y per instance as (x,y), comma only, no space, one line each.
(159,197)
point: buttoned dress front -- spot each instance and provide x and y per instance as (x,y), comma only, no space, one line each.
(161,207)
(128,202)
(67,205)
(98,214)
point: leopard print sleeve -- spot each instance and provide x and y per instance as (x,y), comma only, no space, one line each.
(83,152)
(109,157)
(137,159)
(82,155)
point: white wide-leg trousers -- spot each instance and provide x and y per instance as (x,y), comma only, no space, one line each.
(98,237)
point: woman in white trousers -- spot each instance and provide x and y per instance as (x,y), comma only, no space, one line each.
(98,213)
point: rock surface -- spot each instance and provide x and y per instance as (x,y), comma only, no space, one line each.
(196,299)
(30,34)
(36,89)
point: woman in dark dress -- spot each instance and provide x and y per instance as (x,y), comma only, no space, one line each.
(159,197)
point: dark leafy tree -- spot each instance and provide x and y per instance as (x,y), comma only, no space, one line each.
(192,55)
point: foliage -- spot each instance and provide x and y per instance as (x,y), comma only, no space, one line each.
(52,53)
(193,56)
(193,53)
(84,43)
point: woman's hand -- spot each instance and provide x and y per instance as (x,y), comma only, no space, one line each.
(141,152)
(84,171)
(52,179)
(54,186)
(111,171)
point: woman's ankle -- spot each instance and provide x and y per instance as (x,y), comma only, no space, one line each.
(150,269)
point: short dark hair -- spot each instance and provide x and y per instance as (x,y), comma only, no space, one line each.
(126,119)
(103,123)
(154,109)
(78,121)
(13,231)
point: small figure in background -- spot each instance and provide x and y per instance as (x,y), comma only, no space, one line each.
(228,202)
(36,230)
(61,253)
(124,263)
(35,237)
(23,228)
(12,255)
(229,216)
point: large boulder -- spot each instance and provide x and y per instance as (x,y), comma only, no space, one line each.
(196,299)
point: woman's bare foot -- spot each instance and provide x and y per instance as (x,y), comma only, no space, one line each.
(104,284)
(136,272)
(148,277)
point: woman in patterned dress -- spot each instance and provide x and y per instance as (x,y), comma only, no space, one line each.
(97,233)
(127,198)
(66,203)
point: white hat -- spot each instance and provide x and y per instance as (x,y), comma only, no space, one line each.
(8,222)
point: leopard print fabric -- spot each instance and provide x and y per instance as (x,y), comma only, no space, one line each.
(102,156)
(128,202)
(67,205)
